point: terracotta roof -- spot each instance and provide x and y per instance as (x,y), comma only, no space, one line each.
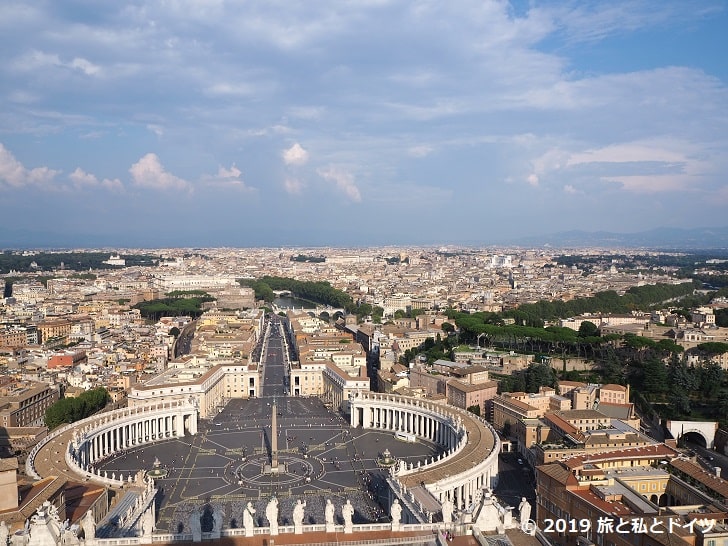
(467,387)
(614,387)
(696,472)
(654,451)
(572,384)
(558,472)
(79,498)
(616,508)
(563,424)
(8,464)
(517,404)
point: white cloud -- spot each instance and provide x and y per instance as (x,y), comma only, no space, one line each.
(588,22)
(568,188)
(343,181)
(654,183)
(628,152)
(295,155)
(306,112)
(35,60)
(156,129)
(228,178)
(15,175)
(532,179)
(82,179)
(148,172)
(85,66)
(294,186)
(232,172)
(231,89)
(420,151)
(643,166)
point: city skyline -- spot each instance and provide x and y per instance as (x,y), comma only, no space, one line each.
(366,123)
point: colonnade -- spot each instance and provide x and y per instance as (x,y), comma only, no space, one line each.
(128,432)
(411,420)
(100,436)
(467,440)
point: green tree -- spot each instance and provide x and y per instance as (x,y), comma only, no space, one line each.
(539,375)
(588,329)
(711,379)
(655,376)
(363,310)
(174,332)
(680,405)
(474,409)
(70,410)
(722,408)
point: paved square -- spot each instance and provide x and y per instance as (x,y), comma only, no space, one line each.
(320,457)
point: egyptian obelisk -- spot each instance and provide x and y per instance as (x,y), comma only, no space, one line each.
(274,441)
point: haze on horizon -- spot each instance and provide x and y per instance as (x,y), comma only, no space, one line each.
(368,122)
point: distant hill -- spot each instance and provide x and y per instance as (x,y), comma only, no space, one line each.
(662,238)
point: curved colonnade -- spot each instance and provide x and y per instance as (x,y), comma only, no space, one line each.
(470,461)
(95,438)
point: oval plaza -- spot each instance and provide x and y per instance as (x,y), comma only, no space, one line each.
(428,459)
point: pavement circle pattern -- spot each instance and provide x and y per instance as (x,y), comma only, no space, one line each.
(293,470)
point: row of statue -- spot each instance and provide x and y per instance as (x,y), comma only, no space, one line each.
(271,514)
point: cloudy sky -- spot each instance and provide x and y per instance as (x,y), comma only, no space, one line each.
(354,122)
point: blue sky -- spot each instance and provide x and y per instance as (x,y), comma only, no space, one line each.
(213,123)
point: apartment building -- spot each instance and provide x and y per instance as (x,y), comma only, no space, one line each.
(649,484)
(466,395)
(54,329)
(24,403)
(67,359)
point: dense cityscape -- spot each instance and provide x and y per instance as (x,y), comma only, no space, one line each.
(402,395)
(363,273)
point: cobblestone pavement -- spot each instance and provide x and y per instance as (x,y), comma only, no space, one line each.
(223,465)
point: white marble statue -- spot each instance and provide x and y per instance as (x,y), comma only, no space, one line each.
(298,515)
(395,512)
(271,513)
(447,508)
(218,515)
(248,520)
(195,522)
(525,512)
(347,512)
(19,540)
(88,524)
(329,516)
(148,522)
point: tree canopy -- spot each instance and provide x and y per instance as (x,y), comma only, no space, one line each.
(70,410)
(187,305)
(316,291)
